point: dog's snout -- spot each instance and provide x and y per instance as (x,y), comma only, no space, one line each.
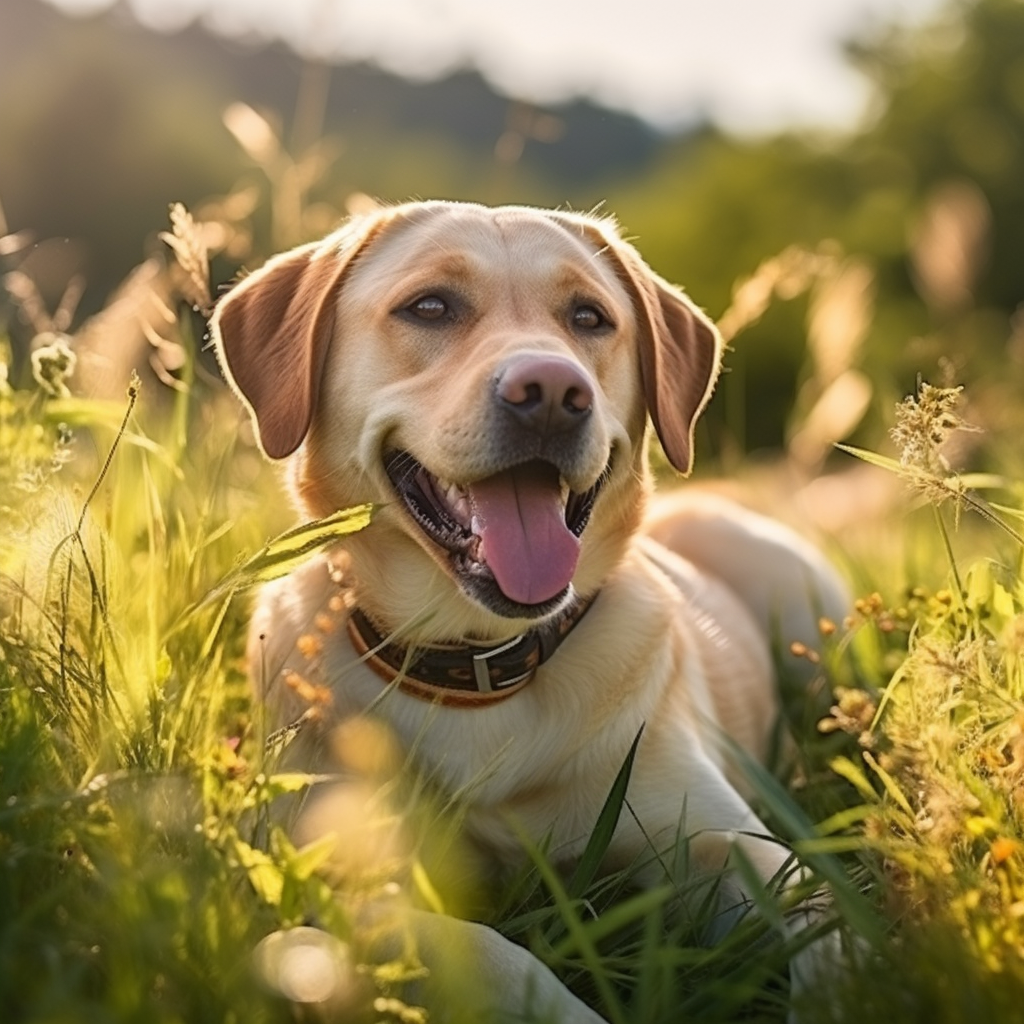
(548,394)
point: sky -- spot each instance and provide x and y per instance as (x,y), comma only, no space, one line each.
(752,65)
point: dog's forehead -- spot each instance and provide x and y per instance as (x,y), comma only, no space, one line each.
(463,239)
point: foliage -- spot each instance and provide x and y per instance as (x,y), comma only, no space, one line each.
(925,194)
(139,871)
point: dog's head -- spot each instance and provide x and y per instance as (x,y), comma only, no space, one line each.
(486,375)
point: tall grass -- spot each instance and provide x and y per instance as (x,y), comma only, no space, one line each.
(133,781)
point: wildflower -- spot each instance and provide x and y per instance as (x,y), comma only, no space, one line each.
(309,646)
(1003,848)
(869,606)
(314,694)
(53,363)
(799,650)
(853,713)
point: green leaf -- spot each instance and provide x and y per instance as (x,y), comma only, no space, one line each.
(578,932)
(84,412)
(794,825)
(264,875)
(979,586)
(827,844)
(607,821)
(289,550)
(279,557)
(846,769)
(425,887)
(619,915)
(985,482)
(164,667)
(1008,510)
(891,786)
(311,857)
(893,465)
(842,820)
(290,782)
(1003,603)
(765,898)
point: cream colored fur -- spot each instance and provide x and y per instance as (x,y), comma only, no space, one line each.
(677,640)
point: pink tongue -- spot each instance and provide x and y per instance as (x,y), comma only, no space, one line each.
(521,523)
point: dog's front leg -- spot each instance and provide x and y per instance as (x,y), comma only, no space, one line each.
(476,974)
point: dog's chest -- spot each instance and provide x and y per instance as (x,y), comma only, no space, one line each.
(523,776)
(542,762)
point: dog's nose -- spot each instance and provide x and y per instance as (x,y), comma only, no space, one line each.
(547,394)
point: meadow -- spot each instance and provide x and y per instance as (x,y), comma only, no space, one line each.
(143,876)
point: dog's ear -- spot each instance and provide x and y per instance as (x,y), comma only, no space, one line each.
(680,348)
(273,330)
(680,356)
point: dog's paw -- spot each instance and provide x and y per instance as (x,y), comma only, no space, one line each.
(475,973)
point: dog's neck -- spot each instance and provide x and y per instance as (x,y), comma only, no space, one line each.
(465,674)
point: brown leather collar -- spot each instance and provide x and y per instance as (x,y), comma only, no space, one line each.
(467,674)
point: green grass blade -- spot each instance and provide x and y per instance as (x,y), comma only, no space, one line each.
(600,839)
(579,934)
(794,824)
(281,556)
(619,916)
(287,551)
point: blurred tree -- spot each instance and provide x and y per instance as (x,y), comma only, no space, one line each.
(929,190)
(103,124)
(96,140)
(113,123)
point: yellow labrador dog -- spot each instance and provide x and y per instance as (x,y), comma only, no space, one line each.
(515,611)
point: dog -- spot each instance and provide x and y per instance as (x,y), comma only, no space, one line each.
(519,608)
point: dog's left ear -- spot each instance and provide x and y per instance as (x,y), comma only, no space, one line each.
(680,348)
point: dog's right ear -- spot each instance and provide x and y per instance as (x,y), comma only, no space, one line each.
(273,330)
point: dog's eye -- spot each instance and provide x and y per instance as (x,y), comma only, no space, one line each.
(430,307)
(589,318)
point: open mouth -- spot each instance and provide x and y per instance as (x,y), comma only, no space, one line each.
(513,538)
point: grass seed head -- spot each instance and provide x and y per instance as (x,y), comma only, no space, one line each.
(924,423)
(53,363)
(190,251)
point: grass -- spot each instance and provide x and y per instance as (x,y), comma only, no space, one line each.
(142,877)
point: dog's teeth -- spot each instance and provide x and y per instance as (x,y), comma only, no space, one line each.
(461,509)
